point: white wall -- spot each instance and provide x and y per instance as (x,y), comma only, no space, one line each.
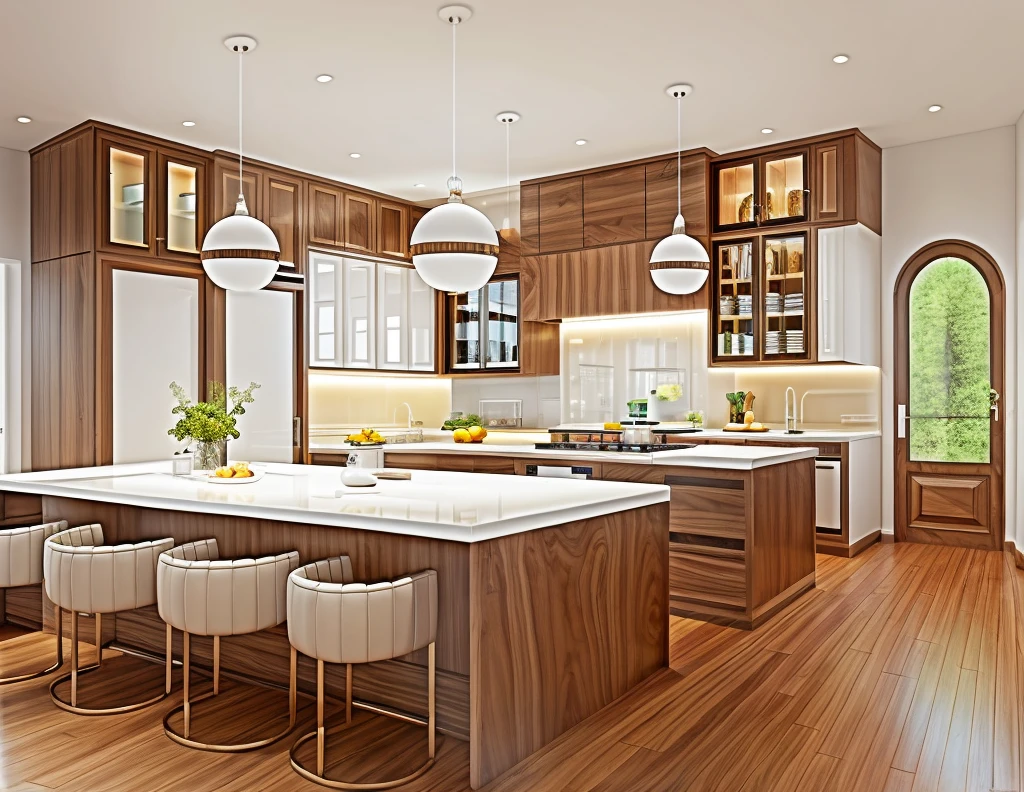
(15,245)
(493,203)
(961,187)
(1014,484)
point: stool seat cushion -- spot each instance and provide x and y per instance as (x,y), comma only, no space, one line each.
(199,593)
(337,621)
(82,574)
(21,553)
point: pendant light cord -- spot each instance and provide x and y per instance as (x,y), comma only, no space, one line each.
(679,153)
(455,25)
(508,173)
(241,55)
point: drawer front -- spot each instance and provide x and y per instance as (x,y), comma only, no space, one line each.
(707,577)
(707,507)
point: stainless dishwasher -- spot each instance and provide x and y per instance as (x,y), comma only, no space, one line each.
(828,494)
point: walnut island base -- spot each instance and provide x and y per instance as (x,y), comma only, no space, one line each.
(538,628)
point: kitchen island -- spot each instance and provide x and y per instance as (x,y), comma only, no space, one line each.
(552,594)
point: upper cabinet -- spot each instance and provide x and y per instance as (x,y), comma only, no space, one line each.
(561,215)
(128,199)
(360,223)
(766,190)
(283,197)
(326,209)
(393,230)
(614,206)
(181,205)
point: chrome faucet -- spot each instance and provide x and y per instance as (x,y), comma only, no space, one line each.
(408,425)
(791,415)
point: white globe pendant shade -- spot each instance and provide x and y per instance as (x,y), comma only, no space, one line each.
(679,263)
(454,248)
(240,253)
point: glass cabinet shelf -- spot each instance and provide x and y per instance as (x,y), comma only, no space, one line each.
(734,325)
(784,184)
(127,198)
(785,296)
(182,234)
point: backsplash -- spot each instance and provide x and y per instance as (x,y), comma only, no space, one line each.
(609,361)
(343,400)
(539,396)
(827,396)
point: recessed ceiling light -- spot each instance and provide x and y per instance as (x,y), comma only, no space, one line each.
(355,155)
(188,123)
(767,131)
(934,108)
(419,184)
(840,58)
(324,78)
(581,142)
(24,120)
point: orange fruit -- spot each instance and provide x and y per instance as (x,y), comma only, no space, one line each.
(462,436)
(477,434)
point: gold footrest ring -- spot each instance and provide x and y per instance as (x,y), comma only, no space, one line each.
(69,707)
(309,775)
(32,675)
(188,742)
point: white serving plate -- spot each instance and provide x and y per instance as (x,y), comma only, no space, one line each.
(257,475)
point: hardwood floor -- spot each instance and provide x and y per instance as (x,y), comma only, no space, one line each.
(902,671)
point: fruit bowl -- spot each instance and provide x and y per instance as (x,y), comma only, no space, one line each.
(473,434)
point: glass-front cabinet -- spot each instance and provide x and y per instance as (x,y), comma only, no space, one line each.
(484,330)
(785,297)
(367,314)
(761,191)
(733,309)
(128,196)
(182,206)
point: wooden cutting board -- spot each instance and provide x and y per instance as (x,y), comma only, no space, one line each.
(735,427)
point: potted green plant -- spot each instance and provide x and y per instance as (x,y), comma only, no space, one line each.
(210,424)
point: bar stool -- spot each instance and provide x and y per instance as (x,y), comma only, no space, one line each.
(200,594)
(336,621)
(21,564)
(83,575)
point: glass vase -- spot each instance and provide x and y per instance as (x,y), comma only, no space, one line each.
(210,456)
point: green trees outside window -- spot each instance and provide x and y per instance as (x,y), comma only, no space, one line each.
(950,370)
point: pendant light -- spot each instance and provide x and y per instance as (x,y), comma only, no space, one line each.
(240,253)
(454,246)
(679,263)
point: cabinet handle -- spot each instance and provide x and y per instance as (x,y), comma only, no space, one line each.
(825,467)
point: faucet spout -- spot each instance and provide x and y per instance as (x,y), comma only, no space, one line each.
(790,413)
(394,417)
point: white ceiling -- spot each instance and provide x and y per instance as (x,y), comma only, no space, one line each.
(591,69)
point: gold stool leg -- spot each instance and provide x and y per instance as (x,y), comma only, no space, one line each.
(430,700)
(319,717)
(59,627)
(74,658)
(99,639)
(216,665)
(185,678)
(348,693)
(168,662)
(293,688)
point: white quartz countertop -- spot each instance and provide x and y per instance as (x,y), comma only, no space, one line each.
(705,456)
(459,507)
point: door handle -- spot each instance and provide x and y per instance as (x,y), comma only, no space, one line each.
(901,421)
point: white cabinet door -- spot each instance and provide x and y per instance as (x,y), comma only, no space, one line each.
(260,338)
(831,266)
(359,301)
(422,327)
(828,494)
(325,315)
(849,295)
(392,317)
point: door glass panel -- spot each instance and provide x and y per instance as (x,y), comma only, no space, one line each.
(736,194)
(466,352)
(950,364)
(181,208)
(127,198)
(325,282)
(784,296)
(734,301)
(503,324)
(784,187)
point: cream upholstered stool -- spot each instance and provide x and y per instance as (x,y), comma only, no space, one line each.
(82,575)
(336,621)
(200,594)
(21,564)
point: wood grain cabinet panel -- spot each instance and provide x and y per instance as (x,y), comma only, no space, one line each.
(360,223)
(613,206)
(561,215)
(392,230)
(708,508)
(325,215)
(226,189)
(77,200)
(77,362)
(284,216)
(45,364)
(46,204)
(828,170)
(662,202)
(529,219)
(707,576)
(955,503)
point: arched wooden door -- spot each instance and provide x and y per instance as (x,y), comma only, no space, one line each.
(950,326)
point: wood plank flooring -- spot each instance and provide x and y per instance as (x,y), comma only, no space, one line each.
(903,671)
